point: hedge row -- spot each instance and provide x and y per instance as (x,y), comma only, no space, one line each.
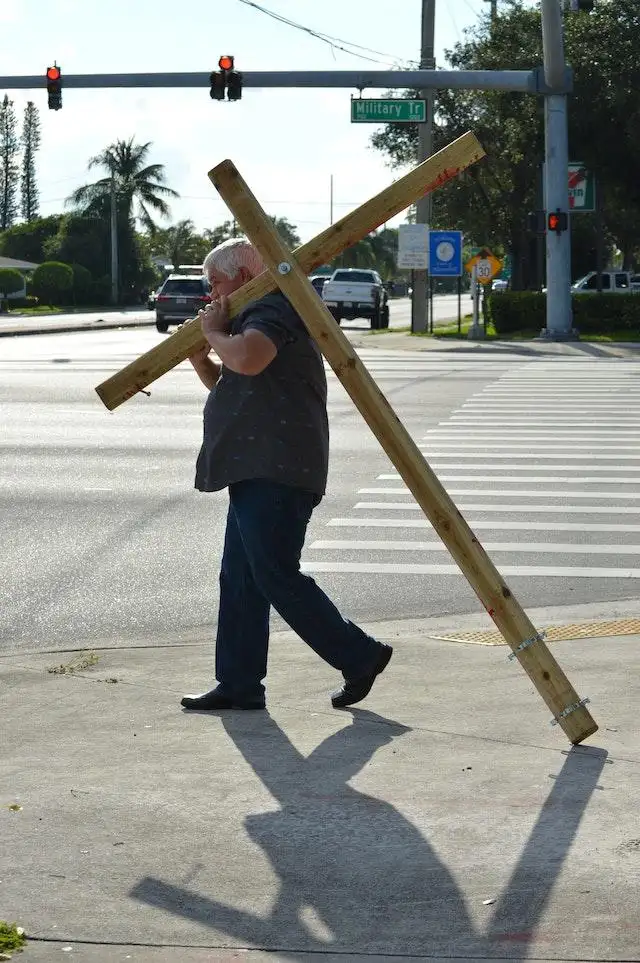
(592,313)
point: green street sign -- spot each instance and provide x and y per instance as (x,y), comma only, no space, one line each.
(505,273)
(392,111)
(582,189)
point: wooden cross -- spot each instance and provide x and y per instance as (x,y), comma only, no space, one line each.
(287,271)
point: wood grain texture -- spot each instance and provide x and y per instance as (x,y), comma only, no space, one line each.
(426,177)
(290,276)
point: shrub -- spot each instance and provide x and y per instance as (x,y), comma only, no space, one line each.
(82,284)
(592,313)
(52,282)
(11,281)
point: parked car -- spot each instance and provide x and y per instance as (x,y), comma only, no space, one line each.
(356,293)
(499,285)
(180,297)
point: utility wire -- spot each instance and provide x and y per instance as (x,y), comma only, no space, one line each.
(335,42)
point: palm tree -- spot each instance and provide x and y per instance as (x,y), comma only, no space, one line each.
(139,189)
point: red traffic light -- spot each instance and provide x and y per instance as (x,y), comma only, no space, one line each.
(53,73)
(557,221)
(225,63)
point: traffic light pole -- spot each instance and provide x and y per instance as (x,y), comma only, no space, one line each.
(559,325)
(425,149)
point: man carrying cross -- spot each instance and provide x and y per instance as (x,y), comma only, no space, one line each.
(266,439)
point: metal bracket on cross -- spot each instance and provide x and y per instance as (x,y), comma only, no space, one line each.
(475,564)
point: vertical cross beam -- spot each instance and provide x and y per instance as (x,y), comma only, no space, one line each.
(511,620)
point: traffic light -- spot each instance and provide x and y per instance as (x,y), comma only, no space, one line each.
(536,222)
(217,85)
(226,79)
(54,87)
(557,221)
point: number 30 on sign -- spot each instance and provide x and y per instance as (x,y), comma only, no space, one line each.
(486,265)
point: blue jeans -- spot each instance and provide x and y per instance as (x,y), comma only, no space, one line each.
(266,527)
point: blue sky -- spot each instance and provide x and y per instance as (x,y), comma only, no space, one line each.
(286,143)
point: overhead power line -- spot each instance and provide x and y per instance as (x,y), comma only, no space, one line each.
(335,42)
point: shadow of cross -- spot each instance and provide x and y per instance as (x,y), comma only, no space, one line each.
(354,874)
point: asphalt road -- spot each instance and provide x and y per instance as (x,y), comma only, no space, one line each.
(105,541)
(445,307)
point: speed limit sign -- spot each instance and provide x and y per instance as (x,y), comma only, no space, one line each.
(486,265)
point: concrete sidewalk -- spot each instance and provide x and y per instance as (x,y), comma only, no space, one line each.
(443,818)
(12,325)
(389,340)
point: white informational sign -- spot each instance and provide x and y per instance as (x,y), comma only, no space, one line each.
(413,246)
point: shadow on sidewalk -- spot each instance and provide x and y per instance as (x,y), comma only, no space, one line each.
(357,876)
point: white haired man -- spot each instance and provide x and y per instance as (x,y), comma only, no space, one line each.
(266,439)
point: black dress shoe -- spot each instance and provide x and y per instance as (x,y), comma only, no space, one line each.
(214,699)
(354,690)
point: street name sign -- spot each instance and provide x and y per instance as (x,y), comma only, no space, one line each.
(392,111)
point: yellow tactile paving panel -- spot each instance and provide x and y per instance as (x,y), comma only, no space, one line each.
(553,633)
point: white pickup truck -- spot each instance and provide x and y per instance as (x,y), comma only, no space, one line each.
(357,293)
(618,282)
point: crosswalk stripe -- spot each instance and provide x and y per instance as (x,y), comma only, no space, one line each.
(543,456)
(502,462)
(482,525)
(515,509)
(537,446)
(527,571)
(542,479)
(515,493)
(541,548)
(550,434)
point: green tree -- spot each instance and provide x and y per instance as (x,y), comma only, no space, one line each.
(26,242)
(9,170)
(179,243)
(287,231)
(489,202)
(140,193)
(30,144)
(139,187)
(52,282)
(81,240)
(11,281)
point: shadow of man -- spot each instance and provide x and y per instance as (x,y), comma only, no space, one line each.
(354,874)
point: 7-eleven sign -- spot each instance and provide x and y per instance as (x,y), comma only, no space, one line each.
(582,189)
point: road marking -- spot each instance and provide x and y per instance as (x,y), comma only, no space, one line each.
(528,571)
(506,463)
(542,479)
(511,446)
(529,456)
(555,548)
(510,526)
(551,434)
(517,493)
(512,422)
(515,509)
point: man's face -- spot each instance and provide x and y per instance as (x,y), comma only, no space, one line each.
(222,285)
